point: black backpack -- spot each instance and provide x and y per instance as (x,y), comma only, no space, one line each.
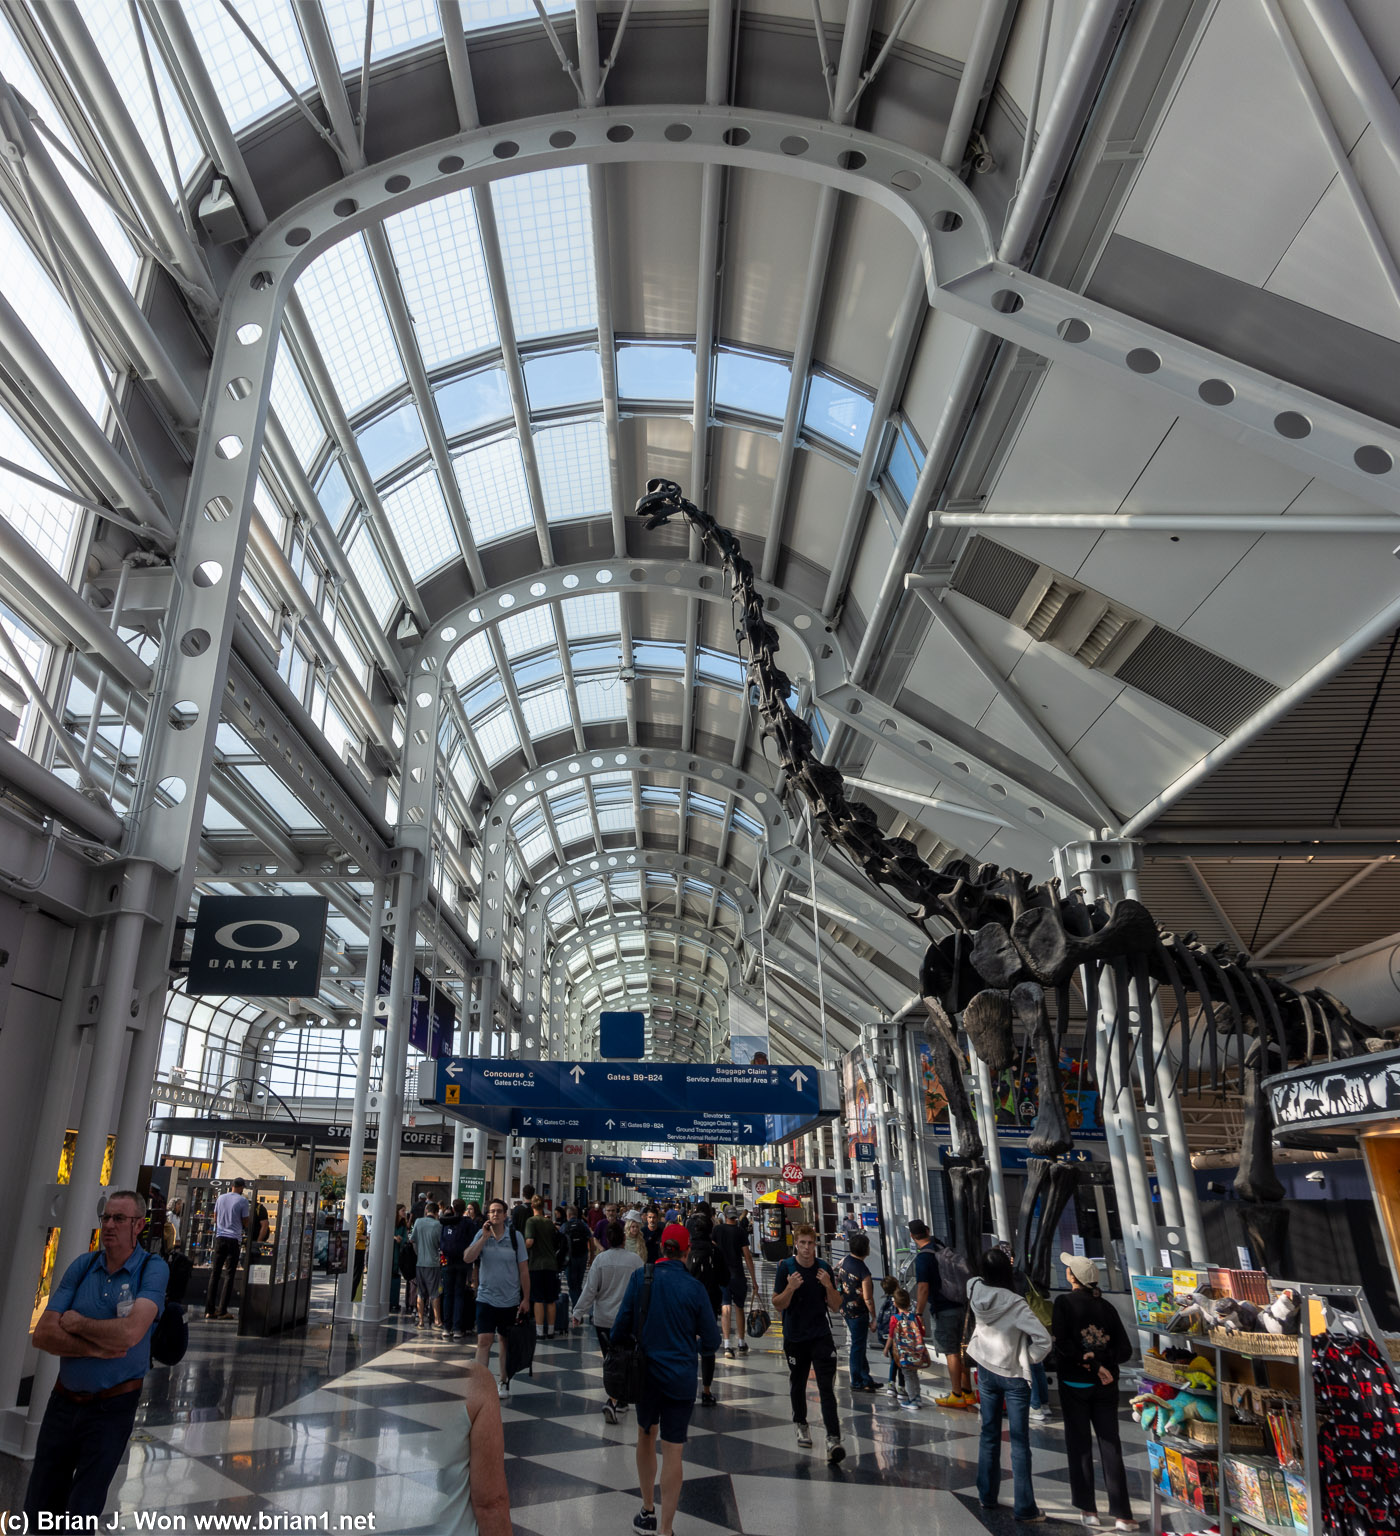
(579,1237)
(170,1337)
(625,1365)
(457,1236)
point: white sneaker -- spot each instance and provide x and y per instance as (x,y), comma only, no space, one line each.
(1126,1525)
(804,1437)
(1090,1520)
(835,1451)
(891,1390)
(505,1388)
(912,1404)
(1040,1415)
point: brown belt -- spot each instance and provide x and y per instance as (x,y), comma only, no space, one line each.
(120,1390)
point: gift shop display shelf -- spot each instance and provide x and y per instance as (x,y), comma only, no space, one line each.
(1244,1358)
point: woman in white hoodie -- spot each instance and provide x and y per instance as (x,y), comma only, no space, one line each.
(1007,1340)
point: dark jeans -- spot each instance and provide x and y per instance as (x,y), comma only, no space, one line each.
(458,1299)
(359,1271)
(1040,1386)
(1015,1393)
(1091,1411)
(577,1269)
(226,1251)
(79,1447)
(817,1355)
(859,1329)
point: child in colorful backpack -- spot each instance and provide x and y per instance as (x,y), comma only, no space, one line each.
(889,1285)
(905,1345)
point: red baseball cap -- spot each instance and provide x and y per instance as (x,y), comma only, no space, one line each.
(675,1230)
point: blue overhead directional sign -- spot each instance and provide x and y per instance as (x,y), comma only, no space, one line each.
(618,1125)
(643,1101)
(639,1087)
(654,1168)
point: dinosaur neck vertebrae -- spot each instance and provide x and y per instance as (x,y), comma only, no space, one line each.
(1007,941)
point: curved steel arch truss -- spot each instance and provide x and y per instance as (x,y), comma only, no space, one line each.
(704,771)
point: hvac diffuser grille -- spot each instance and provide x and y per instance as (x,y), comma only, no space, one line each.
(994,576)
(1196,681)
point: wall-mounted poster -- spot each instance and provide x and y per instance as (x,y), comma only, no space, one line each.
(1016,1093)
(858,1108)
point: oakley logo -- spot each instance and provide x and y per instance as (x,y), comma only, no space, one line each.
(226,937)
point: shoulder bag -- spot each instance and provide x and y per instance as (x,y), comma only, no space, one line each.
(625,1365)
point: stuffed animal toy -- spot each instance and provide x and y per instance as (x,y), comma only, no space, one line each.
(1282,1315)
(1162,1417)
(1236,1316)
(1200,1375)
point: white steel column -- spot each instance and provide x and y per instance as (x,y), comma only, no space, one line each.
(19,1426)
(391,1090)
(357,1204)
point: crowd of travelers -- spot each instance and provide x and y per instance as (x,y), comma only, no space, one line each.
(664,1291)
(671,1287)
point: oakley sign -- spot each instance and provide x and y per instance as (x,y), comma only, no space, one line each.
(257,946)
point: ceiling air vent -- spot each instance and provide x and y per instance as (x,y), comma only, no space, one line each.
(1110,632)
(1054,607)
(993,575)
(1195,681)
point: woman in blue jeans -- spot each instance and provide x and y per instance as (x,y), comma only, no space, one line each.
(1006,1342)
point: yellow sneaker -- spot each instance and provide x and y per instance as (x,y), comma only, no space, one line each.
(951,1400)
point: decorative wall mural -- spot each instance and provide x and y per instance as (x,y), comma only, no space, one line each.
(1004,951)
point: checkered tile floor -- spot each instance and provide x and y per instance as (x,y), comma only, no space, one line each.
(312,1425)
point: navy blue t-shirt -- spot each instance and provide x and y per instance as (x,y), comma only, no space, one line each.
(926,1272)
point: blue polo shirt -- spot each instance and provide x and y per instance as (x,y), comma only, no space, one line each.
(86,1287)
(680,1322)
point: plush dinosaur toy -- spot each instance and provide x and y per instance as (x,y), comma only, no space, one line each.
(1161,1416)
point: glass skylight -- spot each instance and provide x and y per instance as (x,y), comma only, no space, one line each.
(536,847)
(596,613)
(48,319)
(492,480)
(437,249)
(334,493)
(601,700)
(527,630)
(246,86)
(268,788)
(574,829)
(573,462)
(417,515)
(22,77)
(905,461)
(556,379)
(368,567)
(547,241)
(473,401)
(546,711)
(471,660)
(496,735)
(396,27)
(348,320)
(294,408)
(838,412)
(751,384)
(616,818)
(41,517)
(656,371)
(392,440)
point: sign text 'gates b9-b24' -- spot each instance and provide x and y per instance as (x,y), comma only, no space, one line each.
(641,1101)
